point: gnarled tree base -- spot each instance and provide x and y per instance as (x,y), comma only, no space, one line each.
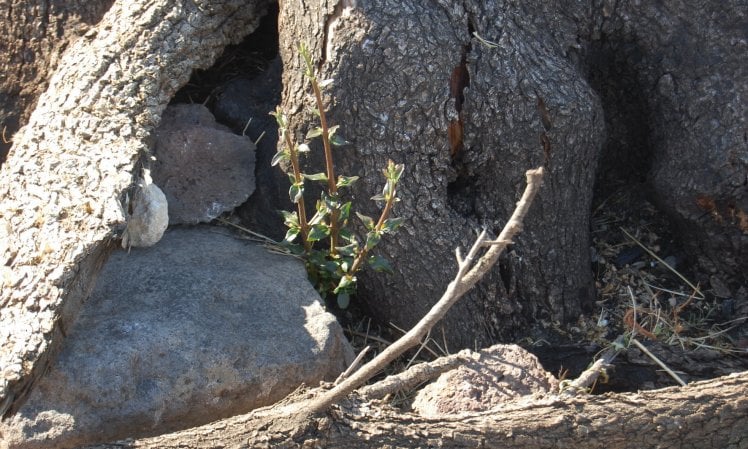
(710,414)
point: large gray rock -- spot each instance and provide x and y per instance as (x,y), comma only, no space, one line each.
(203,168)
(199,327)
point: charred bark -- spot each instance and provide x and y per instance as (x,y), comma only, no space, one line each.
(63,186)
(674,84)
(466,118)
(467,94)
(704,414)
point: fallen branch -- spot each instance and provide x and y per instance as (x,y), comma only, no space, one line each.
(703,414)
(469,271)
(415,375)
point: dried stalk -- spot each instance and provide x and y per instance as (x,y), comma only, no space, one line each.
(469,272)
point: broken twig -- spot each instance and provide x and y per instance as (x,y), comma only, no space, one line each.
(469,271)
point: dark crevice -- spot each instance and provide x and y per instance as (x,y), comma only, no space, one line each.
(459,190)
(248,60)
(246,83)
(506,276)
(627,155)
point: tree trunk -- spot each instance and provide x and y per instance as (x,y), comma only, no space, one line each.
(674,84)
(63,186)
(707,414)
(467,114)
(467,119)
(470,94)
(35,33)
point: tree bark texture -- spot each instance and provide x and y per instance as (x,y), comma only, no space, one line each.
(34,35)
(674,85)
(708,414)
(468,113)
(62,189)
(467,119)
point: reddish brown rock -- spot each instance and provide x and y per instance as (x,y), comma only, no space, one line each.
(203,168)
(503,373)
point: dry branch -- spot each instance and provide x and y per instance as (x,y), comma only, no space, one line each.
(709,414)
(469,271)
(415,375)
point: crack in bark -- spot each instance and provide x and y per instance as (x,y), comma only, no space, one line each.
(330,21)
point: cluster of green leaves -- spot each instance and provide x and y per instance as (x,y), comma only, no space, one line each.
(332,251)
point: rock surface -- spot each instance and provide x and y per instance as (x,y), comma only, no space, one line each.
(199,327)
(203,168)
(504,373)
(150,215)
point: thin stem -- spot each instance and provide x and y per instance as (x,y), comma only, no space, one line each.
(330,168)
(361,256)
(303,224)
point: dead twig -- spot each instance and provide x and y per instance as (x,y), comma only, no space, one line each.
(470,270)
(353,366)
(586,380)
(658,361)
(416,375)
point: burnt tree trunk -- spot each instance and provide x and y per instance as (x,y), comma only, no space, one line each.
(34,35)
(62,187)
(707,414)
(470,94)
(674,84)
(467,119)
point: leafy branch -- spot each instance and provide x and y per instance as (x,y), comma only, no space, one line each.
(331,267)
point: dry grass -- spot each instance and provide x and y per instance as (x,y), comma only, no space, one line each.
(641,290)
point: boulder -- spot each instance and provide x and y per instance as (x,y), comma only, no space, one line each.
(203,168)
(199,327)
(503,373)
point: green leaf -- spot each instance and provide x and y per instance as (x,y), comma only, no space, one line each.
(296,192)
(368,221)
(314,132)
(279,157)
(332,130)
(393,171)
(344,300)
(292,233)
(372,238)
(379,264)
(290,218)
(280,117)
(345,212)
(318,217)
(330,267)
(331,201)
(345,265)
(348,236)
(316,177)
(292,247)
(348,250)
(346,181)
(379,197)
(317,257)
(347,283)
(391,225)
(318,232)
(338,141)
